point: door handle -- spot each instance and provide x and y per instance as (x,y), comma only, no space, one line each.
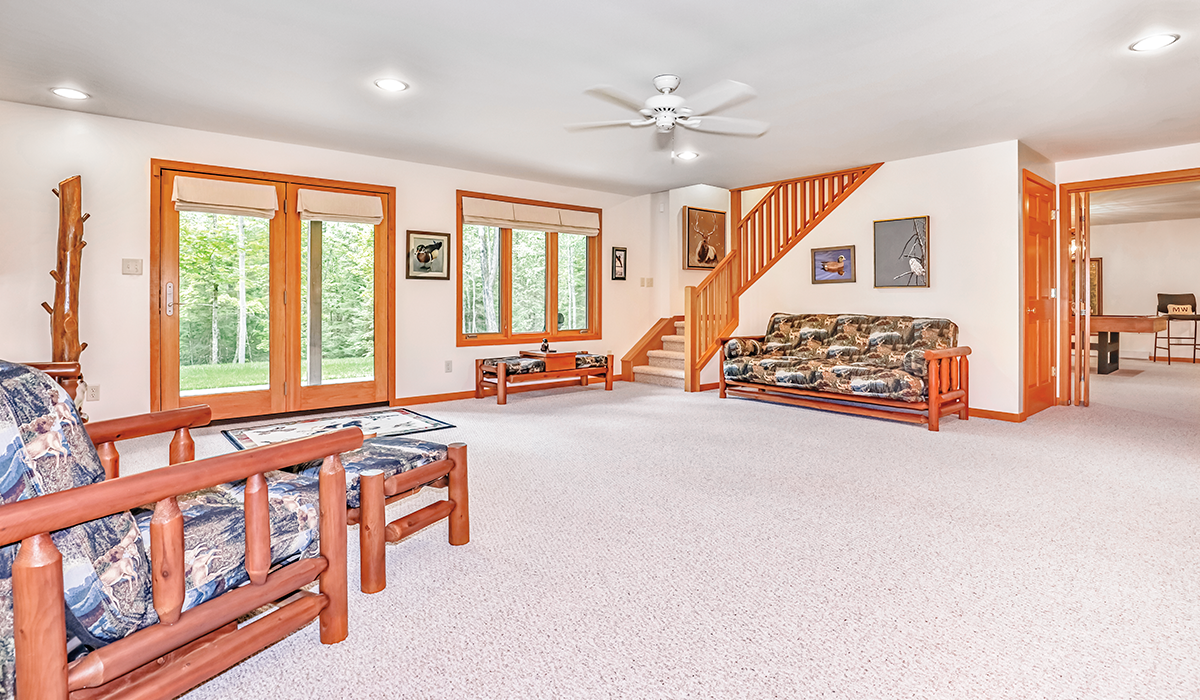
(170,298)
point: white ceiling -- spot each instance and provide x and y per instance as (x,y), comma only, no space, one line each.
(1140,204)
(843,82)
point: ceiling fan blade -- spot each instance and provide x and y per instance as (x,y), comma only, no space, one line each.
(600,125)
(609,93)
(731,126)
(722,95)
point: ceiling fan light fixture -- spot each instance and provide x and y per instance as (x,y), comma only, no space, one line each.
(1153,43)
(391,85)
(70,93)
(687,155)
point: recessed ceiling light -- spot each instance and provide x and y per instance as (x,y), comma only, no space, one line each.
(687,155)
(70,93)
(1150,43)
(391,85)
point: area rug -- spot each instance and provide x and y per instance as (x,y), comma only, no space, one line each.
(376,423)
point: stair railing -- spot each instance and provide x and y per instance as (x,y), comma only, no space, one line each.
(790,210)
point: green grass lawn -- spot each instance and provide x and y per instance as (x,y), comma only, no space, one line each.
(231,375)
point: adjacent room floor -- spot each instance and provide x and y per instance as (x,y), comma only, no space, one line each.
(646,543)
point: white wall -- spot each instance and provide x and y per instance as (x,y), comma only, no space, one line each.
(1141,261)
(974,260)
(40,147)
(1133,163)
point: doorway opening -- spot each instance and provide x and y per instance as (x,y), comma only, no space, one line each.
(1086,309)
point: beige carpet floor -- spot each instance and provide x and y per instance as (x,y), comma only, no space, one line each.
(644,543)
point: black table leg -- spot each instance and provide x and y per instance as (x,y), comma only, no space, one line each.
(1108,352)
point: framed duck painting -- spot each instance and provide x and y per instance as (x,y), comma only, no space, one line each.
(833,264)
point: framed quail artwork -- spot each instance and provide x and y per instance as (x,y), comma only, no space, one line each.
(618,263)
(835,264)
(902,252)
(703,238)
(428,256)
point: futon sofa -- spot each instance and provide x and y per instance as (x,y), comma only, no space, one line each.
(893,367)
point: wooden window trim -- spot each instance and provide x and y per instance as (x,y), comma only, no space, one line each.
(506,336)
(385,314)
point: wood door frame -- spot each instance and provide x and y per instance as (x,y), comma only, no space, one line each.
(1065,190)
(1029,176)
(388,193)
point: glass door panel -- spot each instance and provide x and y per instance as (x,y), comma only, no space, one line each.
(223,304)
(337,303)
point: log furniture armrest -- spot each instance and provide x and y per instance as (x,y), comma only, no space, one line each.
(959,351)
(56,511)
(183,449)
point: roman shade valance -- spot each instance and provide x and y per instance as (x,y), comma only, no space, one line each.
(225,197)
(320,205)
(491,212)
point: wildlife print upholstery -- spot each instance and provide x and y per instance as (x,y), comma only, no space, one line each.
(392,455)
(106,572)
(533,365)
(875,356)
(214,531)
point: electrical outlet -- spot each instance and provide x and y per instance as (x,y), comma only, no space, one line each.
(643,284)
(131,266)
(93,393)
(449,366)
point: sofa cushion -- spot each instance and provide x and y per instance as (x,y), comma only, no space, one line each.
(214,531)
(788,331)
(742,347)
(392,455)
(586,360)
(516,364)
(106,573)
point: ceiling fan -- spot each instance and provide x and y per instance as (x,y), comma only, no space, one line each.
(666,110)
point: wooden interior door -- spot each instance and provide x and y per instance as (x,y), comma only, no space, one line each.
(1039,366)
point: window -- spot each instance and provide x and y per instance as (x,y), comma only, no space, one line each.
(527,270)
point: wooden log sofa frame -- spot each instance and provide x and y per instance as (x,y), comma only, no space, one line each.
(947,373)
(500,382)
(184,648)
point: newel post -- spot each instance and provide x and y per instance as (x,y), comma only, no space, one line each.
(690,323)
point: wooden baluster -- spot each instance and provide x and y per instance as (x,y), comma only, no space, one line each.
(166,559)
(460,518)
(183,448)
(335,616)
(110,459)
(39,621)
(372,531)
(258,529)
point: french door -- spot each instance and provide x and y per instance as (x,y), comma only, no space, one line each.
(258,312)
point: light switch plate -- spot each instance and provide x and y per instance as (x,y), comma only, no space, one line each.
(131,266)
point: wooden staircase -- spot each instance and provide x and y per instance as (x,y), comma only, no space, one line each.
(658,357)
(788,212)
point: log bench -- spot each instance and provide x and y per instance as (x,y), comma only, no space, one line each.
(542,370)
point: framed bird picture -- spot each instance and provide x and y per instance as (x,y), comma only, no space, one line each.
(703,238)
(428,256)
(835,264)
(902,252)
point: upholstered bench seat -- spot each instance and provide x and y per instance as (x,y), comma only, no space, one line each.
(493,375)
(390,455)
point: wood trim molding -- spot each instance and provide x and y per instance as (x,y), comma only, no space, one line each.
(998,415)
(431,398)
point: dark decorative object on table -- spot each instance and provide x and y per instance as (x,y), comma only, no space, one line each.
(545,345)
